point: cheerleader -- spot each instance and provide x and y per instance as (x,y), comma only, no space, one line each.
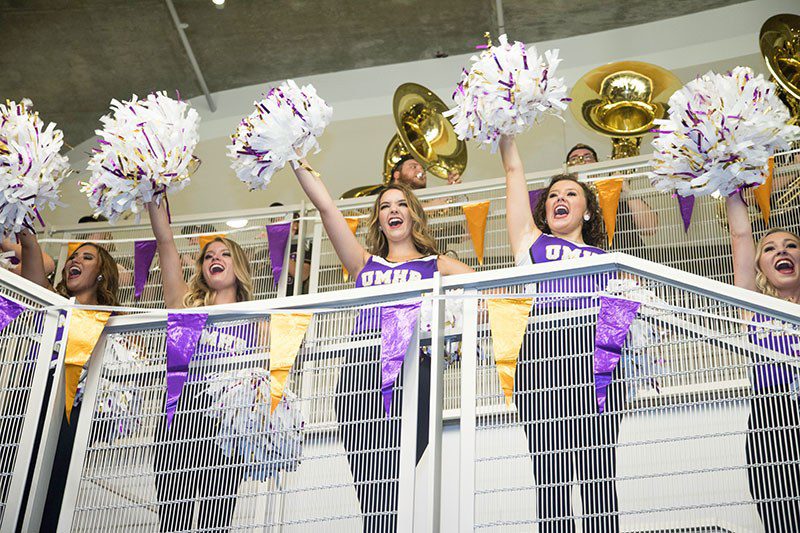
(188,463)
(773,456)
(554,393)
(89,275)
(399,249)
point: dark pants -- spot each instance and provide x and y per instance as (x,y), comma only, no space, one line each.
(555,399)
(190,467)
(58,477)
(371,440)
(773,459)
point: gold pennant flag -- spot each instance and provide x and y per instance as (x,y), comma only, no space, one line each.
(352,223)
(286,332)
(205,239)
(764,191)
(72,246)
(476,215)
(85,327)
(608,192)
(508,319)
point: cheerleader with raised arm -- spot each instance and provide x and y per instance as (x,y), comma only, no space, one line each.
(567,435)
(771,267)
(189,465)
(90,275)
(399,248)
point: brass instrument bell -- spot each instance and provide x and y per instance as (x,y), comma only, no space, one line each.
(779,41)
(622,100)
(424,133)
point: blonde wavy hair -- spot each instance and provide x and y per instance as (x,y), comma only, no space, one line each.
(376,241)
(200,294)
(762,283)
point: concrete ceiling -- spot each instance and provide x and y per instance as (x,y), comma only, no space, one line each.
(71,57)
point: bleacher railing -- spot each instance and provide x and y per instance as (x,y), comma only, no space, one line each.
(692,437)
(703,250)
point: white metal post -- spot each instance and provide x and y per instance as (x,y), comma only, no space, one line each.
(434,474)
(408,438)
(469,368)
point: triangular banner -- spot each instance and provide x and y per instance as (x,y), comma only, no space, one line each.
(85,328)
(764,191)
(476,215)
(533,197)
(9,310)
(352,223)
(608,192)
(143,253)
(277,239)
(398,323)
(286,332)
(613,323)
(686,205)
(202,240)
(183,334)
(72,246)
(508,320)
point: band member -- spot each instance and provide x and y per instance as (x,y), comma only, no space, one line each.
(772,267)
(399,249)
(554,393)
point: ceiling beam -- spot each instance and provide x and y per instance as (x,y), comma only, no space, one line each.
(180,26)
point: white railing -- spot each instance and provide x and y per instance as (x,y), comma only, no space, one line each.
(683,432)
(703,250)
(26,349)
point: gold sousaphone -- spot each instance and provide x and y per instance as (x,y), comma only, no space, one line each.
(779,41)
(622,100)
(424,133)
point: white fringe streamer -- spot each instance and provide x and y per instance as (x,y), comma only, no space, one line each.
(31,168)
(720,132)
(267,443)
(283,128)
(145,151)
(506,91)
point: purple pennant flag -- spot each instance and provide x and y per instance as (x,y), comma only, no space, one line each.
(9,310)
(183,333)
(686,204)
(533,197)
(613,322)
(398,323)
(143,253)
(278,238)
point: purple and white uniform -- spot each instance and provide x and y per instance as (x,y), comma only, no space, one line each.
(379,271)
(547,248)
(769,375)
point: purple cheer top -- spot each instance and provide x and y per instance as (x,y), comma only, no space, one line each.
(768,374)
(547,248)
(379,271)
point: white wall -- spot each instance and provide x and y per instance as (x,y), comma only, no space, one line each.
(354,143)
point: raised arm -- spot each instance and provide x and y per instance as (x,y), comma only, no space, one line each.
(519,219)
(744,248)
(350,252)
(645,219)
(175,287)
(449,266)
(33,264)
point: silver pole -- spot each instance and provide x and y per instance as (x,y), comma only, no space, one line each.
(501,23)
(180,26)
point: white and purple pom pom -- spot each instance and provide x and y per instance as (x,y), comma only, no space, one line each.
(720,132)
(267,442)
(146,150)
(507,90)
(283,128)
(31,168)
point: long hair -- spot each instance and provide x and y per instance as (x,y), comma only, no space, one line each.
(106,288)
(200,294)
(593,230)
(378,244)
(762,283)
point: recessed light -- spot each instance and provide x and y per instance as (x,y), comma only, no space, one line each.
(219,3)
(237,222)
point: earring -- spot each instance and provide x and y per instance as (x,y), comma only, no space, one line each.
(100,277)
(586,217)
